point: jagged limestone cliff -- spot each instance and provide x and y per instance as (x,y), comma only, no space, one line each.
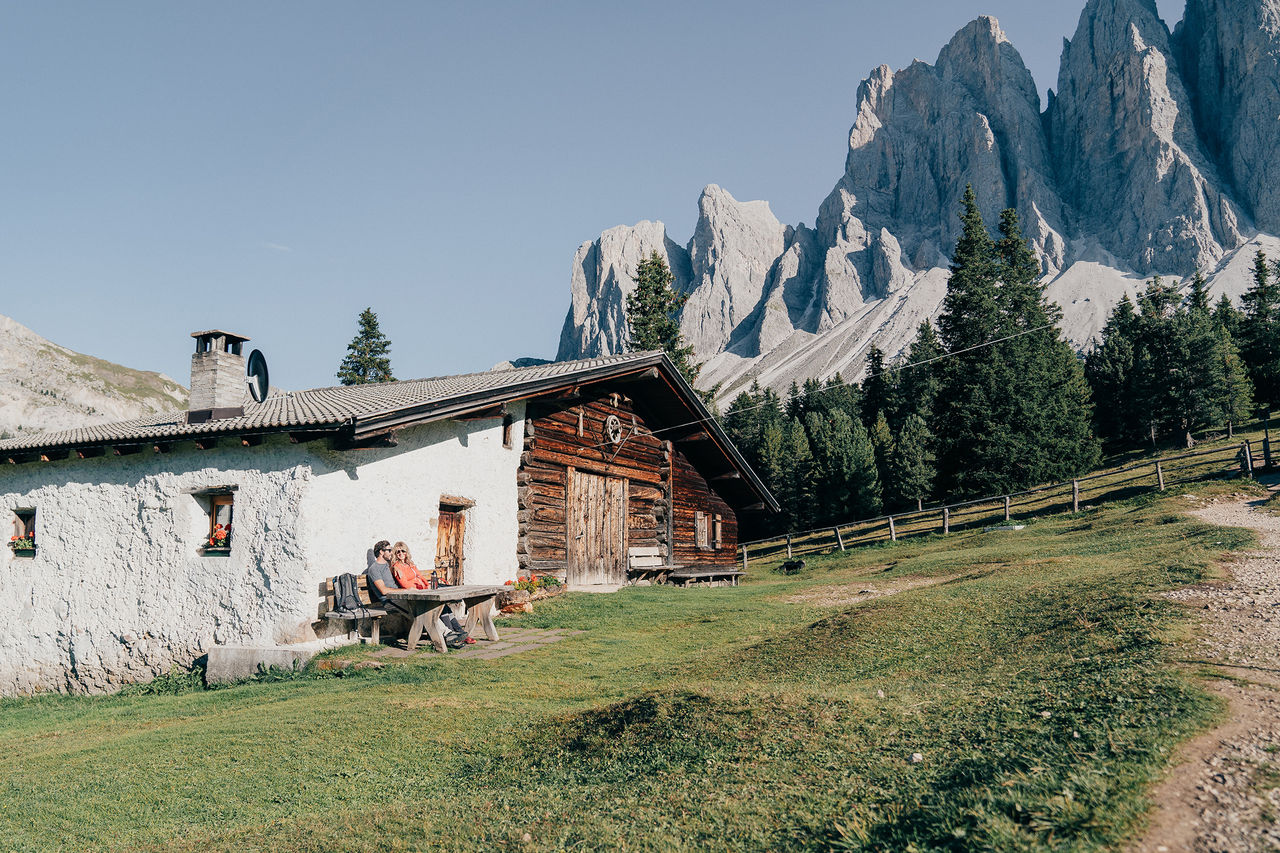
(1157,155)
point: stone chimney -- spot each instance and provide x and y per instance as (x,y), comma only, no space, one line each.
(218,387)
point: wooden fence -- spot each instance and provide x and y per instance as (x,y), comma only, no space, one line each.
(1001,510)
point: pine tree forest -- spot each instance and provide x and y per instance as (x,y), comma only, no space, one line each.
(990,398)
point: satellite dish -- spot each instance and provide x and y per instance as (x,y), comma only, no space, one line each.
(257,376)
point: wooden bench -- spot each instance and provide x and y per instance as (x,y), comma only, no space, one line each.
(705,576)
(374,617)
(646,563)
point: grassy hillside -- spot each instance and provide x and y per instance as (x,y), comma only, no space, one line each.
(1034,673)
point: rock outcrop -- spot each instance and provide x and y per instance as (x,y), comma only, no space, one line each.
(43,386)
(733,248)
(1229,52)
(1159,154)
(1126,150)
(602,278)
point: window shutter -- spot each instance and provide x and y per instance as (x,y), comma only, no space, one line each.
(717,536)
(700,528)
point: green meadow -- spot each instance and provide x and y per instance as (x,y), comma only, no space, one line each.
(1019,691)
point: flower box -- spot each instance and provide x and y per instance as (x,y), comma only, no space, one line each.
(24,552)
(213,551)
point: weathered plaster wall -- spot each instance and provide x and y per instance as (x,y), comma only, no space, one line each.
(118,591)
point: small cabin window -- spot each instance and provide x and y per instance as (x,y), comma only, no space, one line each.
(508,424)
(23,539)
(218,506)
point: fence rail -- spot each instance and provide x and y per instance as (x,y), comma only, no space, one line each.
(1069,496)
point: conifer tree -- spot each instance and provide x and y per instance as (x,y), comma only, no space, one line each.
(918,378)
(797,492)
(877,389)
(1169,370)
(1228,317)
(1109,370)
(1016,410)
(910,466)
(652,309)
(1260,331)
(882,444)
(847,483)
(366,359)
(1198,295)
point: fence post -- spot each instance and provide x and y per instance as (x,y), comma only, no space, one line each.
(1006,507)
(1075,495)
(744,558)
(788,546)
(1247,449)
(1160,476)
(893,531)
(839,538)
(946,520)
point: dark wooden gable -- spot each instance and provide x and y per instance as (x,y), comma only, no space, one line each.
(596,481)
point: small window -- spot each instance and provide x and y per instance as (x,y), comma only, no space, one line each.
(507,423)
(219,510)
(23,539)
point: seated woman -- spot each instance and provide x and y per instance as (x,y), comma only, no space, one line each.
(408,576)
(404,570)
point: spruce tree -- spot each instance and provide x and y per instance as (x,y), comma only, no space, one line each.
(882,443)
(918,378)
(1228,317)
(877,389)
(910,466)
(1013,407)
(1198,295)
(652,309)
(366,359)
(1109,369)
(797,492)
(1259,332)
(847,483)
(1169,370)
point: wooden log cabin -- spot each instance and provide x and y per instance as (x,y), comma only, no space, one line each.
(632,463)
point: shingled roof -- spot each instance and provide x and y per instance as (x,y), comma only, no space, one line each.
(358,412)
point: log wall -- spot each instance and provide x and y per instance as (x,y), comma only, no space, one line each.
(573,434)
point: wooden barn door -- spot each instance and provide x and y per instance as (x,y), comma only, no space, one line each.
(597,529)
(449,544)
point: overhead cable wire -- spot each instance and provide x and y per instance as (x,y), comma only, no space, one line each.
(895,369)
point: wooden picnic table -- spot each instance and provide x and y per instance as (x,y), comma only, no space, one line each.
(426,605)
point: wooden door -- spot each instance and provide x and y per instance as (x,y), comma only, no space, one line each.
(596,516)
(449,545)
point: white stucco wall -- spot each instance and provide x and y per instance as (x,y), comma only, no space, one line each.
(118,590)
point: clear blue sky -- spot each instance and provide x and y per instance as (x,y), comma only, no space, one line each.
(273,168)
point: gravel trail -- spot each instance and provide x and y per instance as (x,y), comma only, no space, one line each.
(1224,796)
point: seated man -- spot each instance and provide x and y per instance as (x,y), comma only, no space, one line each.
(381,581)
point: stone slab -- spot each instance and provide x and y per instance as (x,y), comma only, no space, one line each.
(232,663)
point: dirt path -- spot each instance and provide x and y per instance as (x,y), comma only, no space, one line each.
(1224,794)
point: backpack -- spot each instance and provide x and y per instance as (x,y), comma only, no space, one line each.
(346,597)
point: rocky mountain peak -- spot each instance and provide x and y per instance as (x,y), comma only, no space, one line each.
(1126,150)
(1229,52)
(1159,153)
(733,248)
(46,386)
